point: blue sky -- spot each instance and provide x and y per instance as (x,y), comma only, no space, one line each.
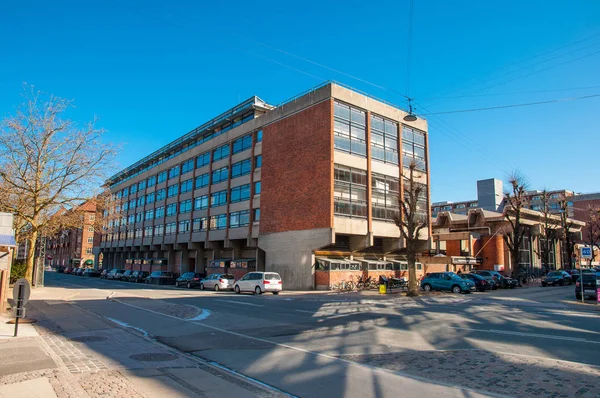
(152,71)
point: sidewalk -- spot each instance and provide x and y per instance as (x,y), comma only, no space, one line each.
(71,353)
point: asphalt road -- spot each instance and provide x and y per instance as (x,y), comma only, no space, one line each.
(510,342)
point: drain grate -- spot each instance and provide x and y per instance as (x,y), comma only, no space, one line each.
(88,339)
(154,357)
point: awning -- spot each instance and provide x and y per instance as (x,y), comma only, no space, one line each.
(89,262)
(7,240)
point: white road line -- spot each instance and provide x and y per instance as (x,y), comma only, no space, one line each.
(457,387)
(239,302)
(306,312)
(124,324)
(543,336)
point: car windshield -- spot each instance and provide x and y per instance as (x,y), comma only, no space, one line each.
(272,276)
(227,277)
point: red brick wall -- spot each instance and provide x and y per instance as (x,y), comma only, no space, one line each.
(453,247)
(493,251)
(297,172)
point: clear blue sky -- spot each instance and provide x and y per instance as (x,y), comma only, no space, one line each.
(152,71)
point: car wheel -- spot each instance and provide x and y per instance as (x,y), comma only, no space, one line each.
(189,285)
(257,290)
(202,286)
(456,289)
(216,288)
(237,289)
(275,293)
(427,287)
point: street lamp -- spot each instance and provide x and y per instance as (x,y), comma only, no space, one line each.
(410,117)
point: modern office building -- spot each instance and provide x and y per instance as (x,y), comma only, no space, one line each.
(312,183)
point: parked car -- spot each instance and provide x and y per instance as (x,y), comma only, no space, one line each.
(217,282)
(60,269)
(104,273)
(68,270)
(160,278)
(79,271)
(190,279)
(589,286)
(259,282)
(138,276)
(115,274)
(447,281)
(495,276)
(559,278)
(481,284)
(125,275)
(92,273)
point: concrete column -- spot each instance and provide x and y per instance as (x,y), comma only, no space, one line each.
(200,261)
(184,261)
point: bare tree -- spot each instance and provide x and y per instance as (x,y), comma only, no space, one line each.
(566,236)
(592,226)
(50,164)
(547,233)
(411,219)
(515,201)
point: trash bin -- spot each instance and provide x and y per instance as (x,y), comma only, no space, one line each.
(383,284)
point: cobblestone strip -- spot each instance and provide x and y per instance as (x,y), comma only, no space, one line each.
(73,356)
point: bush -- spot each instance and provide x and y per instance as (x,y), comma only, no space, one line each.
(17,271)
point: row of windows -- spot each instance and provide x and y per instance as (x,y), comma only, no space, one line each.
(350,191)
(222,152)
(236,220)
(349,129)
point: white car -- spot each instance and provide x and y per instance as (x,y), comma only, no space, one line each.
(259,282)
(217,282)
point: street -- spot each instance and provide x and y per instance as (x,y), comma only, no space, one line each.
(521,342)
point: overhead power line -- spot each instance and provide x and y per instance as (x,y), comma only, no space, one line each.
(513,93)
(512,105)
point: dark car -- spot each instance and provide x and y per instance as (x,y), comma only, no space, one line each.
(189,279)
(559,278)
(138,276)
(589,286)
(91,273)
(481,284)
(60,269)
(490,277)
(161,278)
(125,275)
(115,274)
(104,273)
(79,271)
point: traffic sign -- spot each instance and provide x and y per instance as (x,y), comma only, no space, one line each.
(25,291)
(586,252)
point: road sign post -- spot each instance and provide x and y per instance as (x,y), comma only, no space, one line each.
(21,292)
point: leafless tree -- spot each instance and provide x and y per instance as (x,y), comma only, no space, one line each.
(548,231)
(515,201)
(566,236)
(50,164)
(411,219)
(592,226)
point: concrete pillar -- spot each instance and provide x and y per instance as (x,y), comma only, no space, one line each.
(184,261)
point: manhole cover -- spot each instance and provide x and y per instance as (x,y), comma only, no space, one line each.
(88,339)
(154,357)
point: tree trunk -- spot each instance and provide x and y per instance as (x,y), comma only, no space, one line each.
(31,241)
(413,289)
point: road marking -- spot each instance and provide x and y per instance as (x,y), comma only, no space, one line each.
(458,388)
(124,324)
(203,315)
(307,312)
(239,302)
(543,336)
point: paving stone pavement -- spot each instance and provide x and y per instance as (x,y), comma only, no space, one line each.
(512,375)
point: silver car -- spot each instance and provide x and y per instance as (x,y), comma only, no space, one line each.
(217,282)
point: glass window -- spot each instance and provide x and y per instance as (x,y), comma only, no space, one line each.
(185,206)
(350,191)
(200,224)
(174,171)
(162,176)
(149,215)
(203,160)
(241,168)
(413,148)
(133,189)
(139,233)
(151,181)
(160,194)
(126,192)
(148,232)
(349,129)
(202,180)
(220,175)
(140,201)
(132,203)
(184,226)
(172,190)
(171,209)
(259,136)
(385,192)
(142,185)
(218,199)
(239,219)
(187,166)
(243,143)
(258,161)
(139,217)
(256,215)
(170,228)
(240,193)
(218,221)
(257,188)
(150,197)
(221,152)
(187,186)
(384,140)
(201,202)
